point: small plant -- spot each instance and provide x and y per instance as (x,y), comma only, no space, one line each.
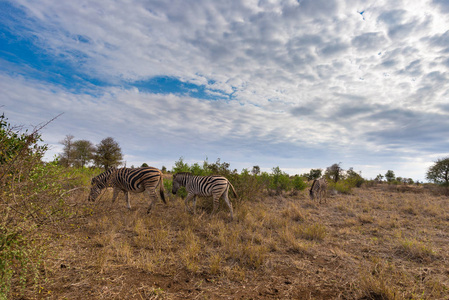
(214,263)
(190,254)
(377,287)
(20,260)
(416,250)
(315,232)
(293,212)
(366,219)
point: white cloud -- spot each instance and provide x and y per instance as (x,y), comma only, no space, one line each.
(307,78)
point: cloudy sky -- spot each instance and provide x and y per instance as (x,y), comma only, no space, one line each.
(295,84)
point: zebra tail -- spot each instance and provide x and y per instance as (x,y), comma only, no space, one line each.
(233,190)
(162,191)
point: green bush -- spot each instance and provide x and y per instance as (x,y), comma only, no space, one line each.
(298,183)
(279,181)
(31,197)
(20,260)
(247,186)
(341,186)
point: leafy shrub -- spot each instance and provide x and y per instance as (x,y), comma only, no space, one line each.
(31,196)
(279,181)
(20,259)
(342,186)
(298,183)
(248,186)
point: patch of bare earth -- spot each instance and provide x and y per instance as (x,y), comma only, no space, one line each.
(373,244)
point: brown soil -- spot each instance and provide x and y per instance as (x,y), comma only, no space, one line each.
(373,244)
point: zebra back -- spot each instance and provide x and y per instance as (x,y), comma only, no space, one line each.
(200,185)
(138,179)
(134,180)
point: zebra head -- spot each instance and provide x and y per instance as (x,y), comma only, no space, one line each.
(95,189)
(311,194)
(179,180)
(98,183)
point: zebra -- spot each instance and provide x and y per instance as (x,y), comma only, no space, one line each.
(127,180)
(318,189)
(214,185)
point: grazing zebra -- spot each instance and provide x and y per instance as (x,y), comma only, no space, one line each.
(318,189)
(129,180)
(215,186)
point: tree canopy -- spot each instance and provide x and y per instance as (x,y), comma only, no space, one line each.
(439,172)
(108,154)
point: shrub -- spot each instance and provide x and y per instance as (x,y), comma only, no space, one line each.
(248,186)
(341,186)
(279,181)
(315,232)
(31,194)
(298,183)
(20,259)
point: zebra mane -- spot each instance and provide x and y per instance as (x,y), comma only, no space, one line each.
(104,177)
(311,188)
(184,173)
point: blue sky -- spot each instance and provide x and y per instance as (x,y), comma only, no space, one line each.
(295,84)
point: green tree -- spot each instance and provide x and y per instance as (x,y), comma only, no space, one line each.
(379,178)
(181,166)
(108,154)
(334,172)
(439,172)
(279,181)
(255,170)
(144,165)
(66,158)
(390,176)
(314,174)
(217,168)
(83,152)
(354,178)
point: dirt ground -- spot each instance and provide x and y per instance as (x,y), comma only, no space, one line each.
(376,243)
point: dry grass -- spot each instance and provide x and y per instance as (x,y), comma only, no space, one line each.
(373,244)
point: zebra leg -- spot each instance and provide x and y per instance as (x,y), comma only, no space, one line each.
(152,194)
(186,201)
(228,203)
(115,194)
(215,203)
(128,205)
(194,205)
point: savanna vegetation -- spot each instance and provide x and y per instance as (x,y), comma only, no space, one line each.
(373,239)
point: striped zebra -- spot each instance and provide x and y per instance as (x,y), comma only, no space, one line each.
(129,180)
(318,189)
(204,186)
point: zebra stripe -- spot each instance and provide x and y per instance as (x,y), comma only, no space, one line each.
(318,189)
(204,186)
(129,180)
